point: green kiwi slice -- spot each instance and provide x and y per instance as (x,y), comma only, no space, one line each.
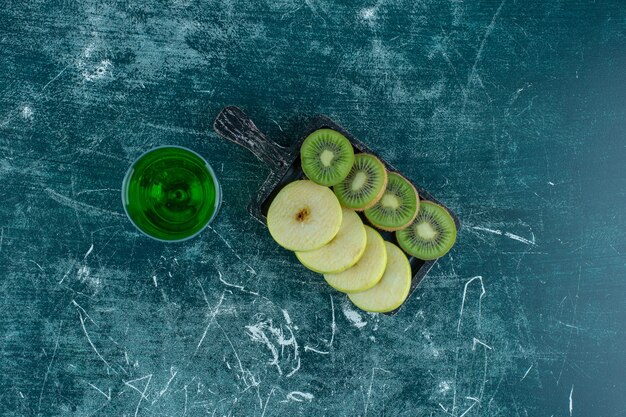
(326,157)
(431,234)
(398,206)
(364,185)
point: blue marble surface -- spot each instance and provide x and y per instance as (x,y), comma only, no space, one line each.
(510,112)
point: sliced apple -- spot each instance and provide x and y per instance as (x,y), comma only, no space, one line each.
(304,216)
(343,251)
(392,289)
(367,271)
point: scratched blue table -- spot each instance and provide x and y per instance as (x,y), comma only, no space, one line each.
(510,112)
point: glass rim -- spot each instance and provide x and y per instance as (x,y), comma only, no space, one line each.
(218,192)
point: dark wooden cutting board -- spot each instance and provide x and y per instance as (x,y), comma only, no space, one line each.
(284,163)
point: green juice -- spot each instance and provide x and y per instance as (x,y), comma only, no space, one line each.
(171,193)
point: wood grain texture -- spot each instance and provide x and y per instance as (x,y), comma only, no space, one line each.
(233,124)
(510,112)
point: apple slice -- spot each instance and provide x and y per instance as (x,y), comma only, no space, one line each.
(367,271)
(343,251)
(392,289)
(304,216)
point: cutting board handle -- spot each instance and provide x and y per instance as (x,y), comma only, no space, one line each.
(233,124)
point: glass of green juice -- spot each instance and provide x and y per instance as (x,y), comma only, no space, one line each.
(171,193)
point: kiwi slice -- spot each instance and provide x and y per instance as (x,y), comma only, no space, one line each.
(431,234)
(364,185)
(398,206)
(326,157)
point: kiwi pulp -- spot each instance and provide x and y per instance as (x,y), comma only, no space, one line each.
(431,234)
(397,207)
(326,157)
(364,185)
